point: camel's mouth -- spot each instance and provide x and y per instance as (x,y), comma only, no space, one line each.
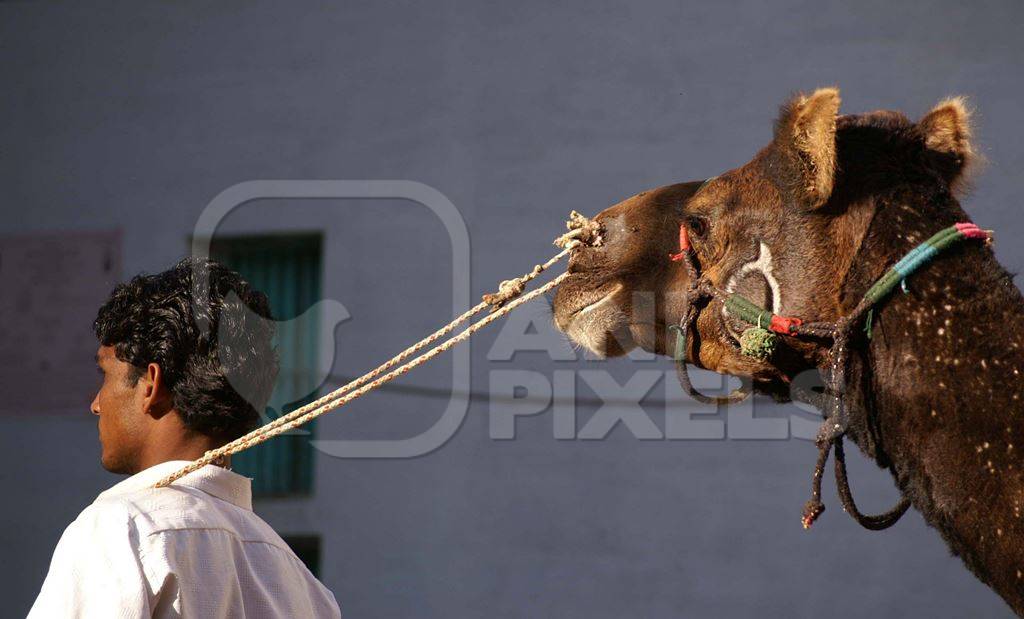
(595,317)
(601,300)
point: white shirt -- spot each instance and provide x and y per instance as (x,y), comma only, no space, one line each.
(193,549)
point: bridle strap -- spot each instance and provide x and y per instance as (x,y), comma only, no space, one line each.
(682,369)
(834,427)
(695,292)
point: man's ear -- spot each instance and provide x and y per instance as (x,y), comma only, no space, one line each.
(806,134)
(156,397)
(946,130)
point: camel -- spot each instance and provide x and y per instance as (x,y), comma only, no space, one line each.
(933,392)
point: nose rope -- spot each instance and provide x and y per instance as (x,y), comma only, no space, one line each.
(834,427)
(582,232)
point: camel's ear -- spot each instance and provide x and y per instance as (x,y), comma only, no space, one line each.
(947,131)
(806,134)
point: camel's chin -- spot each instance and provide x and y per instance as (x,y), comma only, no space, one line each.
(601,322)
(602,330)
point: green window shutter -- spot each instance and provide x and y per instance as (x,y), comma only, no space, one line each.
(287,269)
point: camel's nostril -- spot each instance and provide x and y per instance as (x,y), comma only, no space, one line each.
(584,259)
(574,262)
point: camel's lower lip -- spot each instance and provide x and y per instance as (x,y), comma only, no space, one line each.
(602,299)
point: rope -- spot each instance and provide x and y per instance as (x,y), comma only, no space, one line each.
(582,231)
(874,523)
(682,334)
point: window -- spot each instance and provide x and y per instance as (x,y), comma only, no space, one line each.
(288,270)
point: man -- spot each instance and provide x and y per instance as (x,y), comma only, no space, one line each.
(174,387)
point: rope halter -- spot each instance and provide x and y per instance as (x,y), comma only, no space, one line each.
(760,343)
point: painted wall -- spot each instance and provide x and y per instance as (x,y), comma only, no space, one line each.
(134,117)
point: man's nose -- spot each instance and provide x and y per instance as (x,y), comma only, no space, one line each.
(95,406)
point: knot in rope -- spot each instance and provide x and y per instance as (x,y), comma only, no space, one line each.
(582,231)
(508,290)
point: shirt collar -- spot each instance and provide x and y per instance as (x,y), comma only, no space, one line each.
(213,480)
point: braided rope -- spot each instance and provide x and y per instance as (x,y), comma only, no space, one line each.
(265,432)
(489,301)
(582,231)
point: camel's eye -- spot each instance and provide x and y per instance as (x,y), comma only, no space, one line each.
(698,226)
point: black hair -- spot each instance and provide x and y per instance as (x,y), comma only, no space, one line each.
(220,376)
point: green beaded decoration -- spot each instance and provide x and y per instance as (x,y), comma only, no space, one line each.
(758,343)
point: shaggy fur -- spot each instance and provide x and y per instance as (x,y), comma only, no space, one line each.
(808,126)
(935,396)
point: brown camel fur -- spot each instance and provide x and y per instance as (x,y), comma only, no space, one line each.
(817,216)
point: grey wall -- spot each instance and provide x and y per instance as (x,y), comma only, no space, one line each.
(134,117)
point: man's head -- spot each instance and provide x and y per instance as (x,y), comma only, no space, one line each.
(167,383)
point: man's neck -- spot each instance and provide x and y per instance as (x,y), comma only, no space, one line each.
(172,441)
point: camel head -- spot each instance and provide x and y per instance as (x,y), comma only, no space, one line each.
(783,230)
